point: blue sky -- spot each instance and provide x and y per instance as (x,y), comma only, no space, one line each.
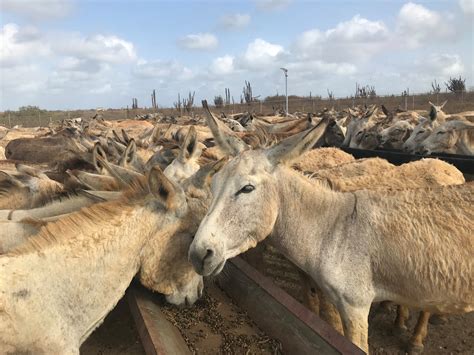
(69,54)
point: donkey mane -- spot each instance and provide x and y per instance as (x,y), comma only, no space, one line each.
(84,219)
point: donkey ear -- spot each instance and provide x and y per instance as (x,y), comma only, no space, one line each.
(5,178)
(130,152)
(223,135)
(122,175)
(385,111)
(117,145)
(204,175)
(371,110)
(98,151)
(162,188)
(189,147)
(292,147)
(117,137)
(352,112)
(125,136)
(31,171)
(433,113)
(442,105)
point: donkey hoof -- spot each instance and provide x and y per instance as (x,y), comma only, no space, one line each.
(414,349)
(436,319)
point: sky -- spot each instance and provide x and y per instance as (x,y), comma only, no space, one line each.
(78,54)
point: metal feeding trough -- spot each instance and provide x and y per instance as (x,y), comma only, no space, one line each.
(465,163)
(275,312)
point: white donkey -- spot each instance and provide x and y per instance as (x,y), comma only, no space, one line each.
(360,247)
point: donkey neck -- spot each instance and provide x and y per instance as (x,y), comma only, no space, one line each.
(83,275)
(309,214)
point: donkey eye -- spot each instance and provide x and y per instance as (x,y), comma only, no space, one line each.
(441,132)
(246,189)
(419,132)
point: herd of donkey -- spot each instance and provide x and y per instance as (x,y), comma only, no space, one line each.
(86,205)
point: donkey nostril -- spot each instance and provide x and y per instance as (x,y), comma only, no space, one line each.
(209,253)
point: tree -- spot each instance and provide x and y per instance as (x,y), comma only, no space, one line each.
(435,88)
(456,85)
(330,95)
(189,102)
(247,91)
(218,101)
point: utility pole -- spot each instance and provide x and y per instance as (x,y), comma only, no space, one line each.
(285,71)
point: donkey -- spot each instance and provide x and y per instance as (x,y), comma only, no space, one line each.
(28,188)
(422,130)
(57,287)
(186,163)
(455,137)
(360,247)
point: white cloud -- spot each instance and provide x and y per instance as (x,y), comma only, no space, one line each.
(106,88)
(162,70)
(223,65)
(349,41)
(22,79)
(234,21)
(81,65)
(39,9)
(199,41)
(445,65)
(34,63)
(110,49)
(318,68)
(18,45)
(417,24)
(467,6)
(269,5)
(260,54)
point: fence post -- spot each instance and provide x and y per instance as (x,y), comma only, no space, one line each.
(9,119)
(39,119)
(313,105)
(413,102)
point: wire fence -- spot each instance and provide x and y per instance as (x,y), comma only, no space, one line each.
(458,102)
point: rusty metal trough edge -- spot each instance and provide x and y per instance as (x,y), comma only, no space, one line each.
(160,337)
(335,340)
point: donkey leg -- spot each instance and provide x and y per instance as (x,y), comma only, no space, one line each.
(311,298)
(421,330)
(402,316)
(329,313)
(355,324)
